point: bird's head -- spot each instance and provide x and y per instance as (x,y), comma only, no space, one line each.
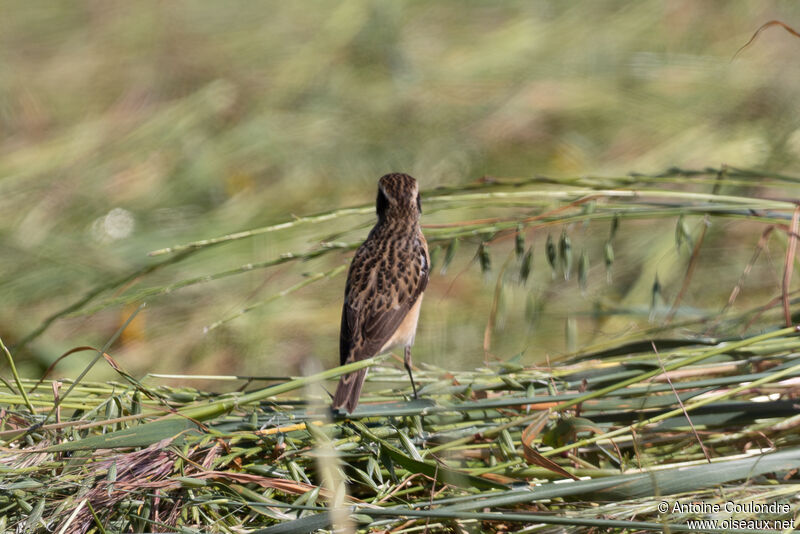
(398,198)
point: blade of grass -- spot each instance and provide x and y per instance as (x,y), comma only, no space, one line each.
(185,419)
(686,408)
(789,264)
(13,367)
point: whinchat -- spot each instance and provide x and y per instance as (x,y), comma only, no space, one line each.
(385,283)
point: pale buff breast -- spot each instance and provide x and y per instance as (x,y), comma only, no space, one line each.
(404,335)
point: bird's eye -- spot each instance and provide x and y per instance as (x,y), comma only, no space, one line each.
(382,202)
(419,203)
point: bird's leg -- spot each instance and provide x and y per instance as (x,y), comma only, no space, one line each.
(408,368)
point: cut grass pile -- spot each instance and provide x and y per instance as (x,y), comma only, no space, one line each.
(596,442)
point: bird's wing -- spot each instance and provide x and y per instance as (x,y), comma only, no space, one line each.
(377,299)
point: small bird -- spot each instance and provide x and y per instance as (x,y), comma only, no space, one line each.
(383,294)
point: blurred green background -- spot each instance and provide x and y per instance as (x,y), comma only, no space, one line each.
(131,126)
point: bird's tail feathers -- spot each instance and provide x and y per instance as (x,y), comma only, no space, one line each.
(349,390)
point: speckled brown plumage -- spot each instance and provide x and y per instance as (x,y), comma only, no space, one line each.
(384,287)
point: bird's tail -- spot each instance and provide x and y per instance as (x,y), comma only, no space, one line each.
(349,390)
